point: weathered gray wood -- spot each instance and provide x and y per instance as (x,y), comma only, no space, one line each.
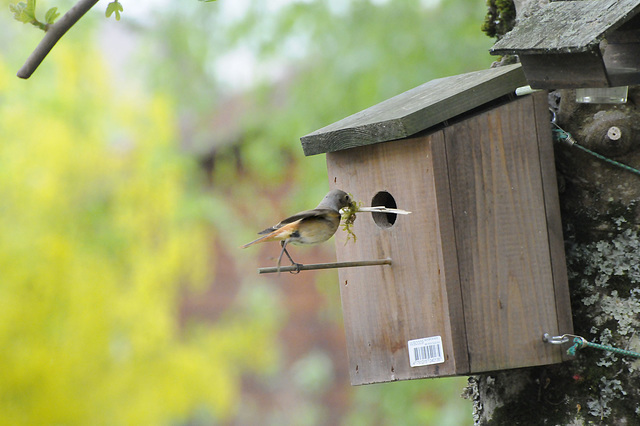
(416,110)
(566,27)
(623,62)
(583,69)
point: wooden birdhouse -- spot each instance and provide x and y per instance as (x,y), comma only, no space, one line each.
(577,44)
(478,268)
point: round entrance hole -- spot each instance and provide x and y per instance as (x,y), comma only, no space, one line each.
(384,220)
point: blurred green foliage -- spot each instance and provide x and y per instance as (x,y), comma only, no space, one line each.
(102,225)
(416,402)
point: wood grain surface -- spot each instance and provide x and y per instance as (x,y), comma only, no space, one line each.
(566,27)
(386,306)
(501,235)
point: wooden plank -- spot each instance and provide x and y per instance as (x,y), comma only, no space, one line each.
(584,69)
(446,237)
(415,110)
(554,221)
(501,237)
(623,62)
(385,307)
(566,27)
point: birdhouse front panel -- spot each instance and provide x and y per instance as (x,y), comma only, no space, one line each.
(478,270)
(385,308)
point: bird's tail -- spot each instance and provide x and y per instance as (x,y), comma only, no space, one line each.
(257,240)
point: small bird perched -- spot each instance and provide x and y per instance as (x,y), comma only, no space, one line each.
(307,227)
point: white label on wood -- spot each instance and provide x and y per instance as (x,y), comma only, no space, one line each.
(426,351)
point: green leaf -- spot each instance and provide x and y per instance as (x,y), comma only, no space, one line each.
(31,9)
(114,7)
(16,9)
(51,15)
(24,12)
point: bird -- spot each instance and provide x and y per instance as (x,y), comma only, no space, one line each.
(307,227)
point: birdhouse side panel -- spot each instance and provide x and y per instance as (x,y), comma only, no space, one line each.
(387,306)
(502,238)
(554,220)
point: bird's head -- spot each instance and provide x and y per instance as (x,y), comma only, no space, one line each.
(335,200)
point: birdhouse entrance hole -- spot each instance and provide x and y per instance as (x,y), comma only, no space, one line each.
(384,220)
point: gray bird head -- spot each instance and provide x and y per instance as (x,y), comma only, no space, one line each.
(335,200)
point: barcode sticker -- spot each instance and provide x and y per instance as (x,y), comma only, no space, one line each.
(426,351)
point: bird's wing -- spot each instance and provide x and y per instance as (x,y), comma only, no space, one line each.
(297,217)
(278,234)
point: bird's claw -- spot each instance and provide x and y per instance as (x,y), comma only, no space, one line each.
(297,270)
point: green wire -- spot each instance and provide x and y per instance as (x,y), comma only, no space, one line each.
(580,342)
(564,136)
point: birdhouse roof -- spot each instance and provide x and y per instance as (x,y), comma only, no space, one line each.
(416,110)
(567,27)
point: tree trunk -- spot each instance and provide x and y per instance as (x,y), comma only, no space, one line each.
(601,221)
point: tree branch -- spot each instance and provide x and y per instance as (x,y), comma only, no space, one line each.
(53,34)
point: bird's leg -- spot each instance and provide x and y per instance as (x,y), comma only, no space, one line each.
(284,250)
(293,263)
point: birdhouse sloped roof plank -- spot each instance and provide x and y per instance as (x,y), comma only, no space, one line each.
(567,27)
(416,110)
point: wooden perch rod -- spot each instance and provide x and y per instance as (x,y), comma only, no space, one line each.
(333,265)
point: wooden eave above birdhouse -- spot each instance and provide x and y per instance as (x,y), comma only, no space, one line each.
(416,110)
(568,44)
